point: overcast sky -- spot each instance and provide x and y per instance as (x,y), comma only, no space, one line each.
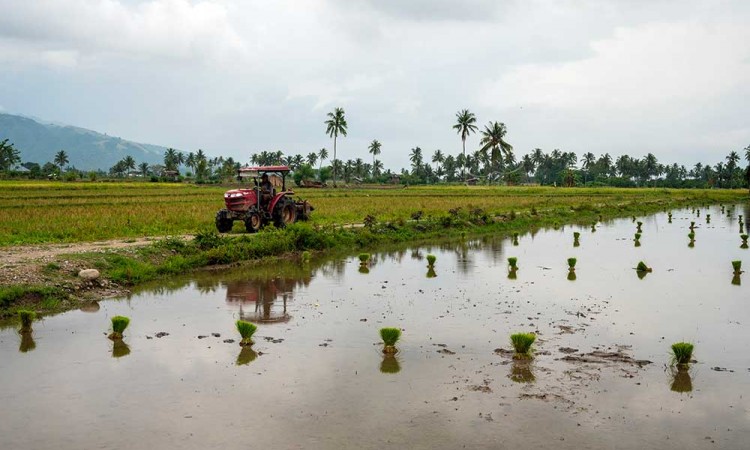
(238,76)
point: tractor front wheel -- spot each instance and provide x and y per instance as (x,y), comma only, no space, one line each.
(253,222)
(223,223)
(285,213)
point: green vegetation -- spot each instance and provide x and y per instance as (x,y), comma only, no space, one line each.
(431,272)
(364,258)
(744,240)
(120,349)
(26,318)
(682,353)
(576,237)
(681,380)
(119,324)
(305,256)
(737,266)
(246,330)
(512,262)
(640,224)
(43,297)
(390,337)
(431,260)
(572,263)
(522,344)
(246,356)
(27,342)
(38,212)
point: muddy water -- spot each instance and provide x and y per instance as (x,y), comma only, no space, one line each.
(316,377)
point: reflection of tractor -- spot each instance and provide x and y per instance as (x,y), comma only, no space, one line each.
(261,204)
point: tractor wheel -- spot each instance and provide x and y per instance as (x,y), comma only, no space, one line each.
(223,223)
(253,222)
(285,213)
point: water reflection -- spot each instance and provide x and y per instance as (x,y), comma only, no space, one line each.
(682,382)
(431,272)
(246,356)
(736,280)
(27,342)
(572,275)
(120,348)
(390,364)
(364,269)
(520,372)
(90,307)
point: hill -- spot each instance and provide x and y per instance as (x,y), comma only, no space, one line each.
(87,150)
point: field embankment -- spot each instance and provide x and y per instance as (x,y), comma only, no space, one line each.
(36,213)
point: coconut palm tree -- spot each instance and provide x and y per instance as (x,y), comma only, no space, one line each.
(335,125)
(492,139)
(465,125)
(143,167)
(61,159)
(312,158)
(129,162)
(322,155)
(374,149)
(438,158)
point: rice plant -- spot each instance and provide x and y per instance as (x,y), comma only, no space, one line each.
(572,263)
(682,353)
(737,266)
(691,236)
(637,236)
(744,241)
(512,261)
(27,318)
(431,260)
(692,225)
(640,224)
(708,218)
(593,227)
(515,239)
(119,324)
(390,337)
(364,257)
(246,330)
(522,344)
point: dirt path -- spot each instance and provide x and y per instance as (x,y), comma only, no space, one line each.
(10,256)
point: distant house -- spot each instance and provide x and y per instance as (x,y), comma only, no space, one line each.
(472,181)
(19,169)
(395,179)
(170,175)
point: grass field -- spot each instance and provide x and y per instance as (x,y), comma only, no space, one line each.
(51,212)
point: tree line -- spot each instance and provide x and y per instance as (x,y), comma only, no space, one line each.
(494,162)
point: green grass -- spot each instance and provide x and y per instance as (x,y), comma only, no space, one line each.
(431,260)
(27,318)
(43,297)
(512,262)
(522,343)
(119,324)
(682,352)
(572,263)
(246,330)
(390,337)
(39,212)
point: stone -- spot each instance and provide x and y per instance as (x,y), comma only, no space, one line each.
(88,274)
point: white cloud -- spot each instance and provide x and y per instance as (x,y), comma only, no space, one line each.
(649,66)
(56,32)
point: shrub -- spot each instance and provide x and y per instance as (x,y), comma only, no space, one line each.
(682,353)
(522,343)
(207,239)
(431,260)
(246,330)
(119,324)
(572,263)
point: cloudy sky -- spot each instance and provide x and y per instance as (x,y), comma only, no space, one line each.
(233,77)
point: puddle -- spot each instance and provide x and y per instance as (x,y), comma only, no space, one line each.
(316,377)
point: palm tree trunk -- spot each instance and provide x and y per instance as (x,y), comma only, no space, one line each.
(463,166)
(334,159)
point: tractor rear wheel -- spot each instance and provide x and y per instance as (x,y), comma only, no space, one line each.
(285,213)
(223,223)
(253,222)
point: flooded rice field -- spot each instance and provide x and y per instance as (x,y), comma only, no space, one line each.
(316,377)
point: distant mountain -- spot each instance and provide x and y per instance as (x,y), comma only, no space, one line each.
(38,142)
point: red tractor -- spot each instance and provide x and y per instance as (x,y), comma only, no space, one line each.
(262,204)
